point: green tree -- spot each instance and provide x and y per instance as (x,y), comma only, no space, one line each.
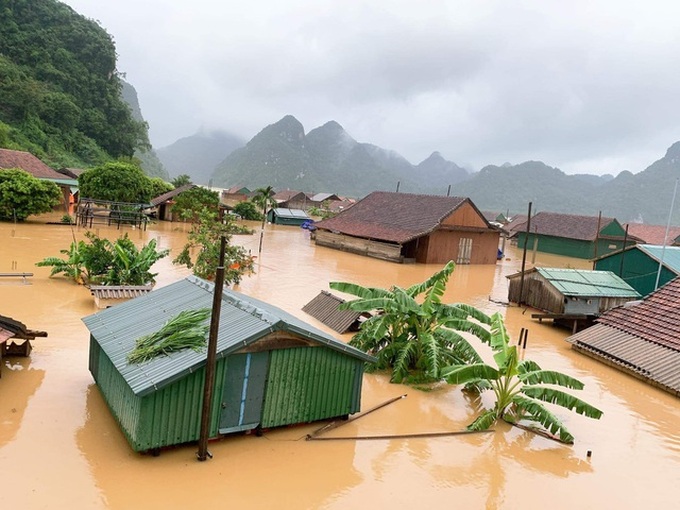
(158,187)
(264,197)
(520,387)
(411,331)
(22,195)
(189,204)
(181,180)
(115,182)
(247,210)
(205,238)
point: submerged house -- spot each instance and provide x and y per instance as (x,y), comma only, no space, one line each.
(161,206)
(272,369)
(402,227)
(639,265)
(571,235)
(20,337)
(282,216)
(641,338)
(569,296)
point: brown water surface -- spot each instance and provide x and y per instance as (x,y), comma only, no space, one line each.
(61,448)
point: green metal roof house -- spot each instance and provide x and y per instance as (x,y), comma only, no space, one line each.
(570,291)
(572,235)
(638,265)
(272,368)
(281,216)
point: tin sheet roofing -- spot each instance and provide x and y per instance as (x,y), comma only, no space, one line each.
(282,212)
(243,320)
(670,255)
(119,291)
(646,359)
(582,282)
(324,307)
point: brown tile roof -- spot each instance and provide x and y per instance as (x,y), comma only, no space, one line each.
(393,217)
(171,194)
(71,172)
(287,194)
(27,162)
(655,319)
(570,226)
(653,234)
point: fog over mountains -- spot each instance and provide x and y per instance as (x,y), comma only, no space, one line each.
(328,159)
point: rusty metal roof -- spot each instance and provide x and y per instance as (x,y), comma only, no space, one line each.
(650,361)
(171,194)
(324,307)
(394,217)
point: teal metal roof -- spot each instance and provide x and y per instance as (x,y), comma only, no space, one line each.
(243,320)
(581,282)
(291,213)
(671,255)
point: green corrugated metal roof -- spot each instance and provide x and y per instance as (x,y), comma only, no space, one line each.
(243,320)
(581,282)
(671,255)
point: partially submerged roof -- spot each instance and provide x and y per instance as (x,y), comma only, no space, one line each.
(243,320)
(324,307)
(119,291)
(27,162)
(160,199)
(290,213)
(653,234)
(570,226)
(642,337)
(394,217)
(10,328)
(584,283)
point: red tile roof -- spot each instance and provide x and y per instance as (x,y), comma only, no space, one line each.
(27,162)
(653,234)
(655,319)
(570,226)
(393,217)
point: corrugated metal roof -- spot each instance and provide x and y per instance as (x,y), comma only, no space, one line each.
(290,213)
(581,282)
(656,363)
(324,307)
(243,320)
(671,255)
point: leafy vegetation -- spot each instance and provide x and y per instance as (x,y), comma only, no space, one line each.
(118,181)
(22,195)
(184,331)
(189,204)
(415,339)
(102,262)
(247,210)
(181,180)
(205,238)
(520,387)
(60,92)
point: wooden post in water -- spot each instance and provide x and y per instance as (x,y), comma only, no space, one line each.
(209,384)
(524,257)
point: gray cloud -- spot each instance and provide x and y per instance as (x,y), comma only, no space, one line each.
(583,86)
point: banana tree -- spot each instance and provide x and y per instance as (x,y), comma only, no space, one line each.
(520,387)
(411,331)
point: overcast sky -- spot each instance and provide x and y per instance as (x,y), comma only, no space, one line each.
(586,86)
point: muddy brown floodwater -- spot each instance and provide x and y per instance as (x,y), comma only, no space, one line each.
(61,448)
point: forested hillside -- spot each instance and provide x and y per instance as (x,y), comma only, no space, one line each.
(60,91)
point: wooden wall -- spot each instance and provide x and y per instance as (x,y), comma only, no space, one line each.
(377,249)
(444,245)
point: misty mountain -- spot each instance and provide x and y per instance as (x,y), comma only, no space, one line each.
(645,196)
(148,158)
(327,159)
(440,172)
(198,155)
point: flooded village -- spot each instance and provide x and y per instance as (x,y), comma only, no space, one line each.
(60,445)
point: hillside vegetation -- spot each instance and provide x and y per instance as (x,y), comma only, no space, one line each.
(60,91)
